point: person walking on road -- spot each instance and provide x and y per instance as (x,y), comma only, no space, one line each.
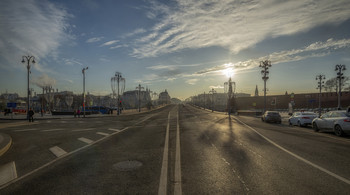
(31,114)
(78,112)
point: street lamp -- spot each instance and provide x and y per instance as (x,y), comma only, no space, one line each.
(83,71)
(118,78)
(320,83)
(340,77)
(230,93)
(139,93)
(212,91)
(265,72)
(28,59)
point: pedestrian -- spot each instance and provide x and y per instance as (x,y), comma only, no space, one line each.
(75,113)
(31,114)
(78,112)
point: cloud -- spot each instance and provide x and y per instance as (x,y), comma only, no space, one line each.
(235,25)
(317,49)
(31,27)
(191,81)
(109,43)
(216,87)
(94,39)
(135,32)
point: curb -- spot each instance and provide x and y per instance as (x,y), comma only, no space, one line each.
(5,143)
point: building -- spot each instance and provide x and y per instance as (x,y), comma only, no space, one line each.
(130,99)
(164,98)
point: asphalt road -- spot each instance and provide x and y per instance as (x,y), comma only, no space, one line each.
(173,150)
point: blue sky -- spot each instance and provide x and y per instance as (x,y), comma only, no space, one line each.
(182,46)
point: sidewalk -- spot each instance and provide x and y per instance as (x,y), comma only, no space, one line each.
(20,119)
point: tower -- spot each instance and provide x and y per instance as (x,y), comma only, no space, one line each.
(256,91)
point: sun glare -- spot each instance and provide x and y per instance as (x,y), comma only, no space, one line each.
(228,72)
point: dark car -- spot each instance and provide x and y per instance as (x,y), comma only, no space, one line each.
(271,116)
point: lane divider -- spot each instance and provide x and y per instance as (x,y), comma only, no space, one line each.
(177,187)
(85,140)
(163,182)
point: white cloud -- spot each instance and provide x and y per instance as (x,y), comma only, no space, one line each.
(216,87)
(192,81)
(317,49)
(109,43)
(232,24)
(94,39)
(31,27)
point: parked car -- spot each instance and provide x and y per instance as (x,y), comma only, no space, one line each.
(271,116)
(302,118)
(337,121)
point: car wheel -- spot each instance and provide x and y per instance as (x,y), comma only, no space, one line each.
(338,130)
(314,126)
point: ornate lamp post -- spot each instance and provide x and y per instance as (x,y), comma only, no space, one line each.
(213,92)
(265,72)
(117,79)
(340,77)
(83,71)
(320,83)
(28,59)
(139,93)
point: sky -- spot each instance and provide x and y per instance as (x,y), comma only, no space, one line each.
(183,46)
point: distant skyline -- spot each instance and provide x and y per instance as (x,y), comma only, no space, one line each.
(183,46)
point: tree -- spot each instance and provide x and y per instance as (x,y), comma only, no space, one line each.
(331,85)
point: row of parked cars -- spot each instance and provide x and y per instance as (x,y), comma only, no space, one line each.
(337,121)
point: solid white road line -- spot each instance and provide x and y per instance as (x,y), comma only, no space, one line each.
(8,172)
(164,171)
(85,140)
(89,129)
(177,184)
(53,130)
(25,130)
(57,151)
(297,156)
(101,133)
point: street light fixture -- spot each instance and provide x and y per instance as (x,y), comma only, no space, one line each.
(230,93)
(83,71)
(118,78)
(28,59)
(139,93)
(340,77)
(265,72)
(320,83)
(212,91)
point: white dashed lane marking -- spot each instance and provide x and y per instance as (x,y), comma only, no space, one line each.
(8,172)
(117,130)
(57,151)
(101,133)
(89,129)
(85,140)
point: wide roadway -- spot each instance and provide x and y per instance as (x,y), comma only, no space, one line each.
(143,154)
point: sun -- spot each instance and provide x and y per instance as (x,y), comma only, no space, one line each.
(228,72)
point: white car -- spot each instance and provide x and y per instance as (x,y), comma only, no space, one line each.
(337,121)
(302,118)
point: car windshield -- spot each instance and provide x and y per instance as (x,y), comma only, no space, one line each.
(174,96)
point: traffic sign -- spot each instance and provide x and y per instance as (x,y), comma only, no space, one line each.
(11,105)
